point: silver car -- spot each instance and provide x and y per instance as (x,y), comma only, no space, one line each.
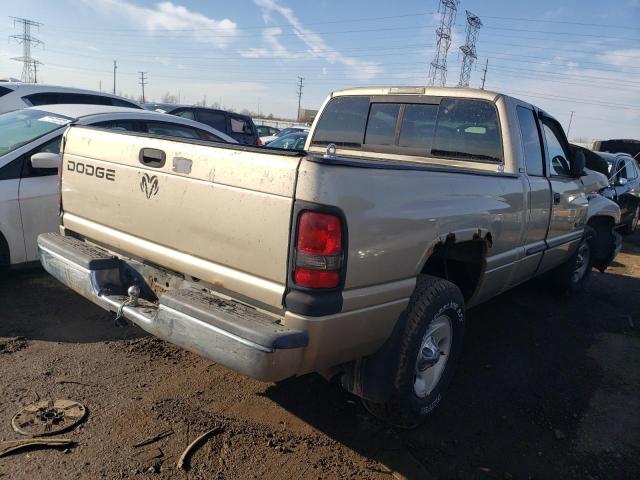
(17,95)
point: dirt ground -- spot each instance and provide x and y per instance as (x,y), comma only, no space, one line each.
(548,387)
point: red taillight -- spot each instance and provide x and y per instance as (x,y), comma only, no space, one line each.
(318,250)
(259,142)
(316,278)
(319,234)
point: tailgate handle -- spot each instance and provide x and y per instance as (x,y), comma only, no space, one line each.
(152,157)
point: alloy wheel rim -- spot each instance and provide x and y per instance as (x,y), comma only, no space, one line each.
(433,355)
(582,262)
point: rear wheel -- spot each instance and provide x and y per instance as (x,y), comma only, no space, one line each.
(429,350)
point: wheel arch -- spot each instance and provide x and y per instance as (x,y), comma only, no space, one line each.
(459,257)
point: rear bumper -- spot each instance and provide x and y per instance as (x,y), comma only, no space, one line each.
(230,333)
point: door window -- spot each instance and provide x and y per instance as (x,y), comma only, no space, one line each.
(185,114)
(630,171)
(118,125)
(167,129)
(530,142)
(556,151)
(214,119)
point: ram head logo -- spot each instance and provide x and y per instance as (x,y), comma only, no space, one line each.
(149,185)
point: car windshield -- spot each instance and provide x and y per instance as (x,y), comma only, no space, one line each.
(20,127)
(293,141)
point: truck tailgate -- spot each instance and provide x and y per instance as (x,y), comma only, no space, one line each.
(218,213)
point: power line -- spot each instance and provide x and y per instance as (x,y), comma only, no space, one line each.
(438,68)
(595,102)
(29,64)
(469,48)
(142,82)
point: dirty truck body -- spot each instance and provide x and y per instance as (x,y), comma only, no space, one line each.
(278,263)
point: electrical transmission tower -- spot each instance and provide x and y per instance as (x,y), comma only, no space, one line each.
(438,69)
(469,48)
(143,81)
(300,85)
(29,64)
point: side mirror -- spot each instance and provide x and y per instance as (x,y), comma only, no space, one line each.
(45,160)
(578,164)
(621,182)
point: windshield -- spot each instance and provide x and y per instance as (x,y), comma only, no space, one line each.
(20,127)
(293,141)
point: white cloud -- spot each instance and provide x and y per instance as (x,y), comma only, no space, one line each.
(276,49)
(317,47)
(626,57)
(167,16)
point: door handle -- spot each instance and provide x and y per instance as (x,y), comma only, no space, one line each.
(556,199)
(152,157)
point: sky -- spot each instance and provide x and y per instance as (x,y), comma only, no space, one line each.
(580,56)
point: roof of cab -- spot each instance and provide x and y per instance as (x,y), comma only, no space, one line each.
(420,90)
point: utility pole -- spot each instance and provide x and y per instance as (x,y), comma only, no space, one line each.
(115,67)
(469,48)
(29,64)
(143,83)
(484,73)
(570,120)
(300,85)
(438,70)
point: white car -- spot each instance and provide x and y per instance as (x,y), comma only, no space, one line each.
(29,158)
(16,95)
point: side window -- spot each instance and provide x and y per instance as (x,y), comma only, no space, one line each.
(119,125)
(558,156)
(343,122)
(116,102)
(631,171)
(533,158)
(204,135)
(381,126)
(467,129)
(167,129)
(240,125)
(11,170)
(185,114)
(216,120)
(418,123)
(52,146)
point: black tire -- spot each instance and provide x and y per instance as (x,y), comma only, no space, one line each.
(432,299)
(564,279)
(631,226)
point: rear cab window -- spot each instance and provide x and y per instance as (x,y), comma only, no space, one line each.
(452,128)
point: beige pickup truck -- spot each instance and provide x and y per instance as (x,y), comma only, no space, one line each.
(356,257)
